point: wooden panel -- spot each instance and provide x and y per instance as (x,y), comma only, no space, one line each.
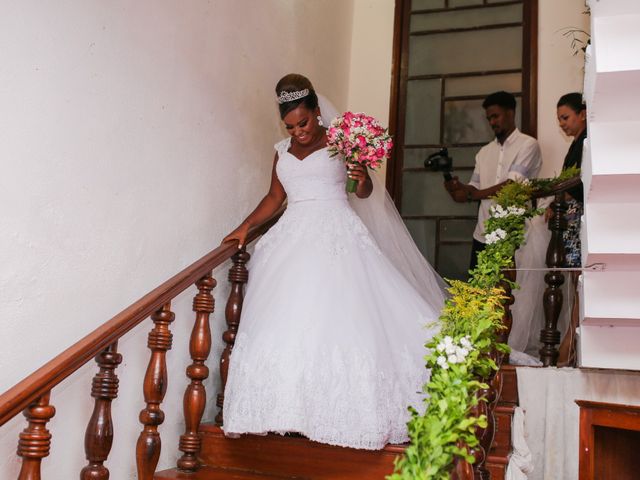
(616,454)
(609,437)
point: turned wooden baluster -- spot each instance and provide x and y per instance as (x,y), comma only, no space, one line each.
(462,470)
(550,336)
(507,318)
(492,395)
(238,277)
(99,434)
(195,396)
(35,440)
(154,388)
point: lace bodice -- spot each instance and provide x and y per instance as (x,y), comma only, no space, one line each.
(319,176)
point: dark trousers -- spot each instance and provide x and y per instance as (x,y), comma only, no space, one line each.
(475,250)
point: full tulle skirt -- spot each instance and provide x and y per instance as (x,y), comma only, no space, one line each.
(331,338)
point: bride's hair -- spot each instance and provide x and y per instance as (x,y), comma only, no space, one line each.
(295,82)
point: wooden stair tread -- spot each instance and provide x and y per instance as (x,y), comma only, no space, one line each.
(506,409)
(496,472)
(213,473)
(497,459)
(213,429)
(294,457)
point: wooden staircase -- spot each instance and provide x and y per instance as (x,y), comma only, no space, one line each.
(293,457)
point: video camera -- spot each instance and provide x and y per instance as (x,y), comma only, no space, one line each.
(440,161)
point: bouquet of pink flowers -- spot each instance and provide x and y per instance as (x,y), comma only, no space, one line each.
(360,139)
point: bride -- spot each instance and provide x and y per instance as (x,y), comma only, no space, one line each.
(339,304)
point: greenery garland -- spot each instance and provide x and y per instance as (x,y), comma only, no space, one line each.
(460,354)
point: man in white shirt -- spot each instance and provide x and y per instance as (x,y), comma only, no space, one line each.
(512,156)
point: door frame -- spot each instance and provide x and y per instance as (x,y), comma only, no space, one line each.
(399,75)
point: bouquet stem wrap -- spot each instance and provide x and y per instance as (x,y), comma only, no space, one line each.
(352,183)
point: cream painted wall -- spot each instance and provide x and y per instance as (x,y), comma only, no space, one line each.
(134,135)
(371,56)
(559,72)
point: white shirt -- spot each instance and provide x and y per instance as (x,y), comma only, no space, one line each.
(516,159)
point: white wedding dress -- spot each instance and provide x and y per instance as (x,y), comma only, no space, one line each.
(331,337)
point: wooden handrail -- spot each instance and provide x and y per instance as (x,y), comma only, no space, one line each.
(40,382)
(557,188)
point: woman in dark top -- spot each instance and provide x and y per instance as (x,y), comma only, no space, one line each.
(572,117)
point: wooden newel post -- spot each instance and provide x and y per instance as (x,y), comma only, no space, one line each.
(35,439)
(552,300)
(238,277)
(99,434)
(155,386)
(195,397)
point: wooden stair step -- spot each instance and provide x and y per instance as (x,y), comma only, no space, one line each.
(294,457)
(498,457)
(497,466)
(213,473)
(509,394)
(502,437)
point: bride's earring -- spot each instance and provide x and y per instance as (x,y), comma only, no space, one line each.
(320,122)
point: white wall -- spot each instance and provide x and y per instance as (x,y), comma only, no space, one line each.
(133,136)
(559,72)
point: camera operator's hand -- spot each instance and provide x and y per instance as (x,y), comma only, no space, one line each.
(451,185)
(459,195)
(457,190)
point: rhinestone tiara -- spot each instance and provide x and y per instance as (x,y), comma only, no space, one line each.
(285,97)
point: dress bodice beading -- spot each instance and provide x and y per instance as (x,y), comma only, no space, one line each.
(319,176)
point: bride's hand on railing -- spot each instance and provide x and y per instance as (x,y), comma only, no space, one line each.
(240,234)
